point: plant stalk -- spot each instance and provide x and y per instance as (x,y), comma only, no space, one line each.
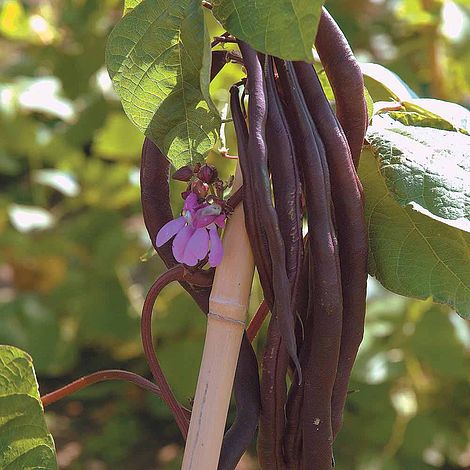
(228,305)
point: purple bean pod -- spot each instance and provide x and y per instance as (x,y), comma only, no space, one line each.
(287,192)
(257,163)
(320,350)
(345,77)
(256,234)
(352,231)
(292,442)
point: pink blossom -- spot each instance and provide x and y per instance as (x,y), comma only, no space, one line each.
(217,251)
(196,232)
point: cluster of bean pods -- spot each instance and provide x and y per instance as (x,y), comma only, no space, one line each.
(298,158)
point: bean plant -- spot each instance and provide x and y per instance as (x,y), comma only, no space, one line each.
(337,186)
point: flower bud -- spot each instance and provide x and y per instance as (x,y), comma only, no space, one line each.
(207,173)
(200,188)
(183,174)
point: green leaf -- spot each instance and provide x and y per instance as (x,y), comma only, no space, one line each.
(427,112)
(413,115)
(369,103)
(411,253)
(452,116)
(25,443)
(425,168)
(130,5)
(385,85)
(283,28)
(158,58)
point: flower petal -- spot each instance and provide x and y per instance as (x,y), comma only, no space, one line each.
(170,229)
(180,242)
(190,202)
(217,250)
(220,221)
(206,215)
(204,221)
(197,247)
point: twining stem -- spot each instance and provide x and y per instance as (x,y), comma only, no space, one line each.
(100,376)
(176,273)
(257,320)
(173,274)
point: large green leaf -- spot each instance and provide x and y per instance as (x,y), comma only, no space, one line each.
(25,443)
(385,85)
(451,115)
(410,252)
(130,5)
(283,28)
(158,57)
(425,168)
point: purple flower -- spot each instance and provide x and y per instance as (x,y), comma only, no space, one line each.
(196,232)
(216,251)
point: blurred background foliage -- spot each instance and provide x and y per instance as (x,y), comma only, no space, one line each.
(75,260)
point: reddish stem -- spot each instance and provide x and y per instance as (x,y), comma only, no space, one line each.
(257,321)
(223,38)
(175,273)
(100,376)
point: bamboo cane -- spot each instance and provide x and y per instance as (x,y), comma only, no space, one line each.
(225,325)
